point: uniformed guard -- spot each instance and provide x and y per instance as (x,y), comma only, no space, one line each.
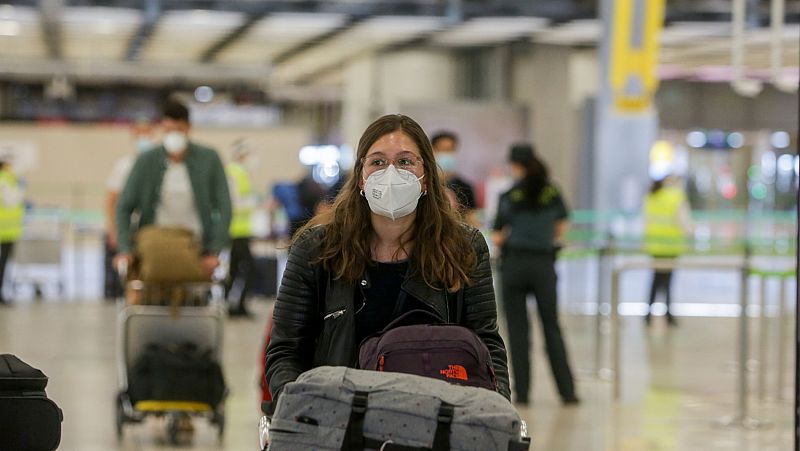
(531,222)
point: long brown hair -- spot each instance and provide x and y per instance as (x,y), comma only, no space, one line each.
(441,251)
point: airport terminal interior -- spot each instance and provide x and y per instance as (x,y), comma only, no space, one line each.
(659,137)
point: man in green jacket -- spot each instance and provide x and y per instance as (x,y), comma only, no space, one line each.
(178,184)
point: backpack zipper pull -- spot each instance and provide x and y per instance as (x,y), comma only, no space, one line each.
(381,362)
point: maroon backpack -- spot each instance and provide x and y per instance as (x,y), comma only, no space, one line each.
(445,351)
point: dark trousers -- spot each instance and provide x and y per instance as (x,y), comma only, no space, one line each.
(522,273)
(241,270)
(6,249)
(661,282)
(112,286)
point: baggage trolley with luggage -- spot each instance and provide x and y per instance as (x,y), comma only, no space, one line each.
(170,355)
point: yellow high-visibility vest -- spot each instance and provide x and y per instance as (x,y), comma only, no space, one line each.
(241,222)
(663,233)
(10,215)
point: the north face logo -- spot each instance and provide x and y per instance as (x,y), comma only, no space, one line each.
(455,372)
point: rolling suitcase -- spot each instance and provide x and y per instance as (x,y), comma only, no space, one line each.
(29,420)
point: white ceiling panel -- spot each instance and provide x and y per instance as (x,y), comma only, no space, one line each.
(20,33)
(690,32)
(185,35)
(577,32)
(368,35)
(278,33)
(98,33)
(490,30)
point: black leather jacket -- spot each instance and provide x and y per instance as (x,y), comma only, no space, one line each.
(314,324)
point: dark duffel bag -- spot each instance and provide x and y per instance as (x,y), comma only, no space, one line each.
(29,420)
(176,373)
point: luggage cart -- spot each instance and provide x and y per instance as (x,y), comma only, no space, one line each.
(198,321)
(38,256)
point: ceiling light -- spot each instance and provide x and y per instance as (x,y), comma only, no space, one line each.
(204,94)
(785,163)
(735,140)
(780,140)
(696,139)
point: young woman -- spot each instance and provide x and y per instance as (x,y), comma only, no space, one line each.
(390,244)
(531,221)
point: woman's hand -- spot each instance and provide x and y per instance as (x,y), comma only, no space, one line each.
(209,263)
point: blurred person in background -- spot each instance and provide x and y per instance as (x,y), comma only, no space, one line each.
(667,217)
(179,184)
(391,244)
(311,195)
(11,215)
(143,136)
(445,147)
(244,200)
(529,228)
(300,200)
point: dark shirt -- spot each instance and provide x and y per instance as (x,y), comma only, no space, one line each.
(377,305)
(464,193)
(532,227)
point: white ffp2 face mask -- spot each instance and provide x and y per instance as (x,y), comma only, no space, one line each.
(175,142)
(392,193)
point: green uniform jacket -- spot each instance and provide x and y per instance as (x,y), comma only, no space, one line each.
(143,189)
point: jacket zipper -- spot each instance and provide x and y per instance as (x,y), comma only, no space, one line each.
(334,315)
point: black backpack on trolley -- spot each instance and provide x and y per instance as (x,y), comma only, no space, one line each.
(29,420)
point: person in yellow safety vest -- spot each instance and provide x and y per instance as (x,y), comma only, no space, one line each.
(667,218)
(11,214)
(243,198)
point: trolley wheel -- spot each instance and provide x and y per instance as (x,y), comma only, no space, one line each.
(173,429)
(219,421)
(179,428)
(120,417)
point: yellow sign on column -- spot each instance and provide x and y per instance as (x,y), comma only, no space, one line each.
(635,32)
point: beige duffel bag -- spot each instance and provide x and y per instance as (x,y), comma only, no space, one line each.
(168,255)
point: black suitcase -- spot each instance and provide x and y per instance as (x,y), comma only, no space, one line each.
(29,420)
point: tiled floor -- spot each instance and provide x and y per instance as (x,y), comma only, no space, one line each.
(676,384)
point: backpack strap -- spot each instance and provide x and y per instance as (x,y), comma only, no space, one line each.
(441,439)
(522,445)
(354,435)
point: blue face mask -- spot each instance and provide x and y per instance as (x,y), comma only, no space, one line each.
(143,144)
(447,161)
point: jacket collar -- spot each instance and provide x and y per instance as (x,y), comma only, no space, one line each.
(415,285)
